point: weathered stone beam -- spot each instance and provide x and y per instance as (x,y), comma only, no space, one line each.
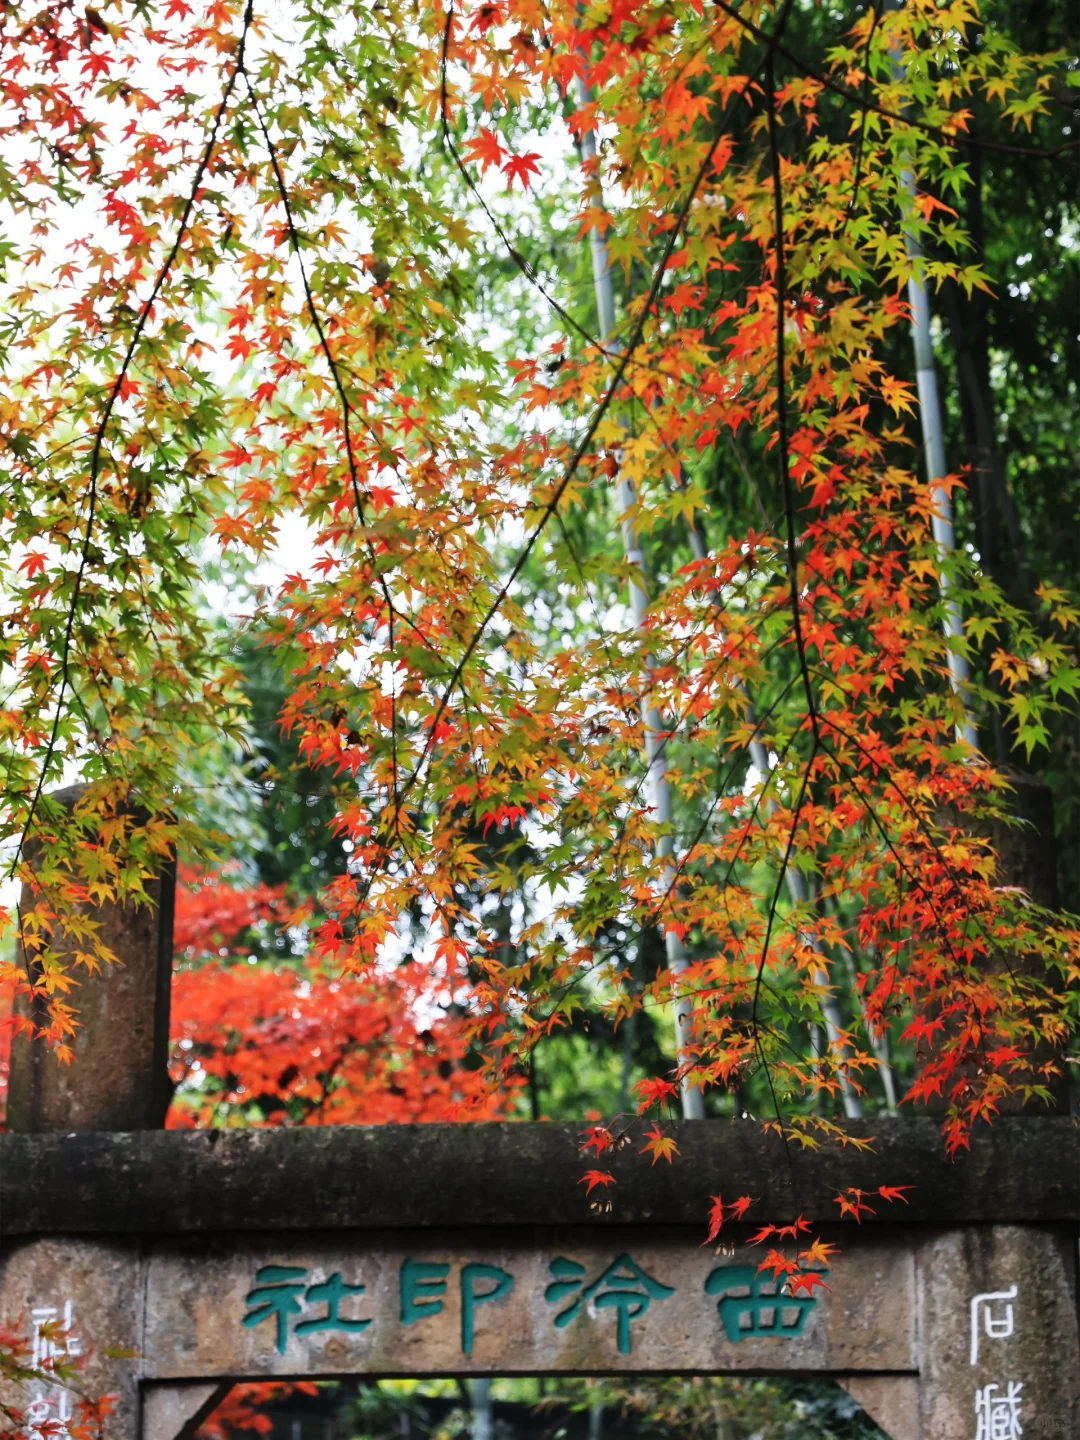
(1022,1169)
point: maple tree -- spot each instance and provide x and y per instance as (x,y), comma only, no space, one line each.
(274,1043)
(272,309)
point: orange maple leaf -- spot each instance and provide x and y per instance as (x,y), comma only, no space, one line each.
(486,149)
(659,1145)
(818,1254)
(852,1203)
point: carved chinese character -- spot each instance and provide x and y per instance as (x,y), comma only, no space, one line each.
(997,1412)
(49,1411)
(623,1287)
(472,1296)
(752,1304)
(423,1284)
(992,1316)
(277,1295)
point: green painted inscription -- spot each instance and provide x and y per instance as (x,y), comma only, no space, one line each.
(472,1276)
(623,1287)
(747,1302)
(276,1295)
(747,1309)
(421,1282)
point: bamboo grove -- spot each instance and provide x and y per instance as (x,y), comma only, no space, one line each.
(246,267)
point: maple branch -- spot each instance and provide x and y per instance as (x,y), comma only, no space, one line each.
(862,128)
(781,397)
(605,403)
(346,413)
(944,136)
(106,416)
(774,905)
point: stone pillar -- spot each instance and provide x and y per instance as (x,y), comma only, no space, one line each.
(119,1079)
(999,1350)
(83,1299)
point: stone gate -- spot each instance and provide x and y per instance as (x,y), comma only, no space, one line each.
(183,1262)
(212,1257)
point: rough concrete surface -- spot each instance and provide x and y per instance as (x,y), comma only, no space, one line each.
(346,1177)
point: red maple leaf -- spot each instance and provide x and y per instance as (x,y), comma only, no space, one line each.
(653,1092)
(592,1178)
(600,1139)
(520,167)
(716,1219)
(33,564)
(805,1280)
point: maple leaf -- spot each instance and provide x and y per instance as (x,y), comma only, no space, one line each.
(778,1264)
(486,149)
(716,1219)
(520,167)
(659,1145)
(818,1253)
(33,564)
(894,1192)
(654,1092)
(851,1203)
(600,1139)
(593,1178)
(792,1231)
(805,1282)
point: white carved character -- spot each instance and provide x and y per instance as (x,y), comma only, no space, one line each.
(997,1412)
(995,1324)
(50,1405)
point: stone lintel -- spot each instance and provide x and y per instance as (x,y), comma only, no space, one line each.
(199,1310)
(1023,1169)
